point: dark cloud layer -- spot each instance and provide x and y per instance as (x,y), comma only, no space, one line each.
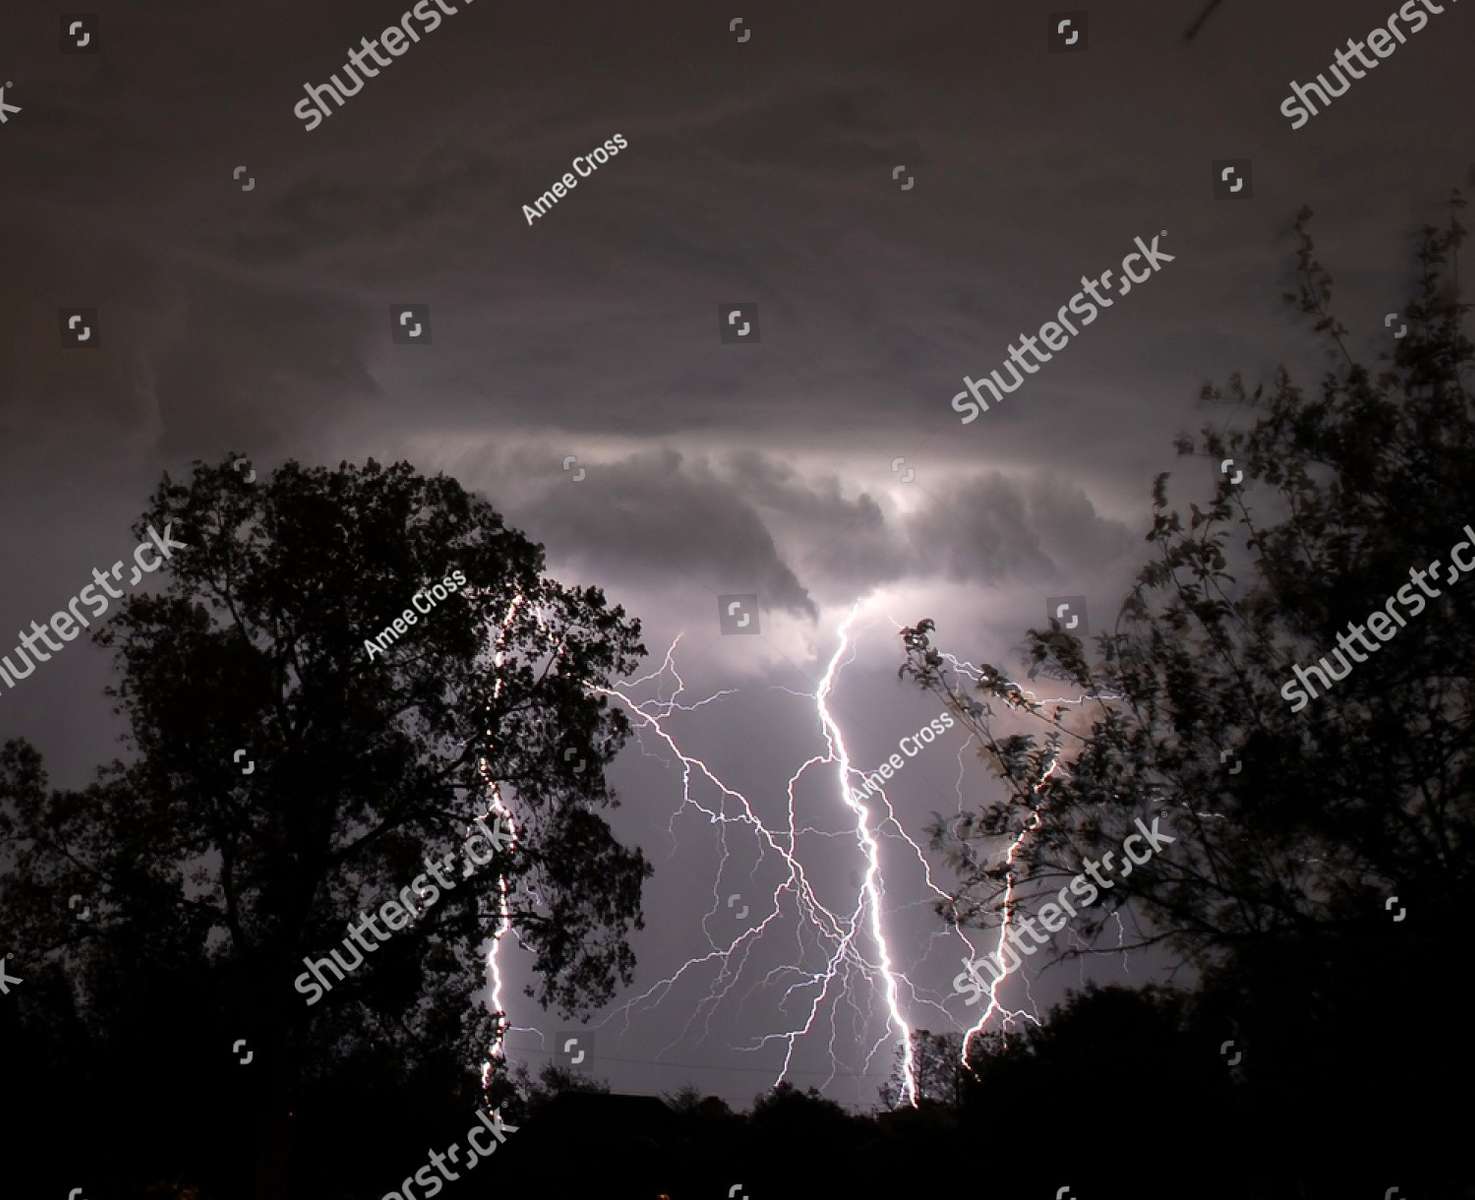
(645,517)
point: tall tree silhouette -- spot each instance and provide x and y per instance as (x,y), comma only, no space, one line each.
(208,887)
(1296,823)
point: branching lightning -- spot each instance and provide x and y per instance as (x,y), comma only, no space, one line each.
(855,955)
(844,961)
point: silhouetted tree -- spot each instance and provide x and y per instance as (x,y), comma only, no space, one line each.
(937,1065)
(208,887)
(1295,823)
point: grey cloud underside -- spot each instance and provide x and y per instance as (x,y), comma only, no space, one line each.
(993,528)
(652,516)
(750,522)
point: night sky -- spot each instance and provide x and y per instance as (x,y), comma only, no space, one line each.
(756,173)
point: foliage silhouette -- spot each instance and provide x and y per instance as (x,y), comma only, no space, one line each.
(208,887)
(1295,827)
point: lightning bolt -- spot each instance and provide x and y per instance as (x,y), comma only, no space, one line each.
(871,849)
(1037,818)
(1027,701)
(851,939)
(1021,698)
(498,810)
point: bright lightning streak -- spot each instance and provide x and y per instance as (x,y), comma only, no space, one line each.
(497,1051)
(852,938)
(871,849)
(980,675)
(1036,820)
(1021,698)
